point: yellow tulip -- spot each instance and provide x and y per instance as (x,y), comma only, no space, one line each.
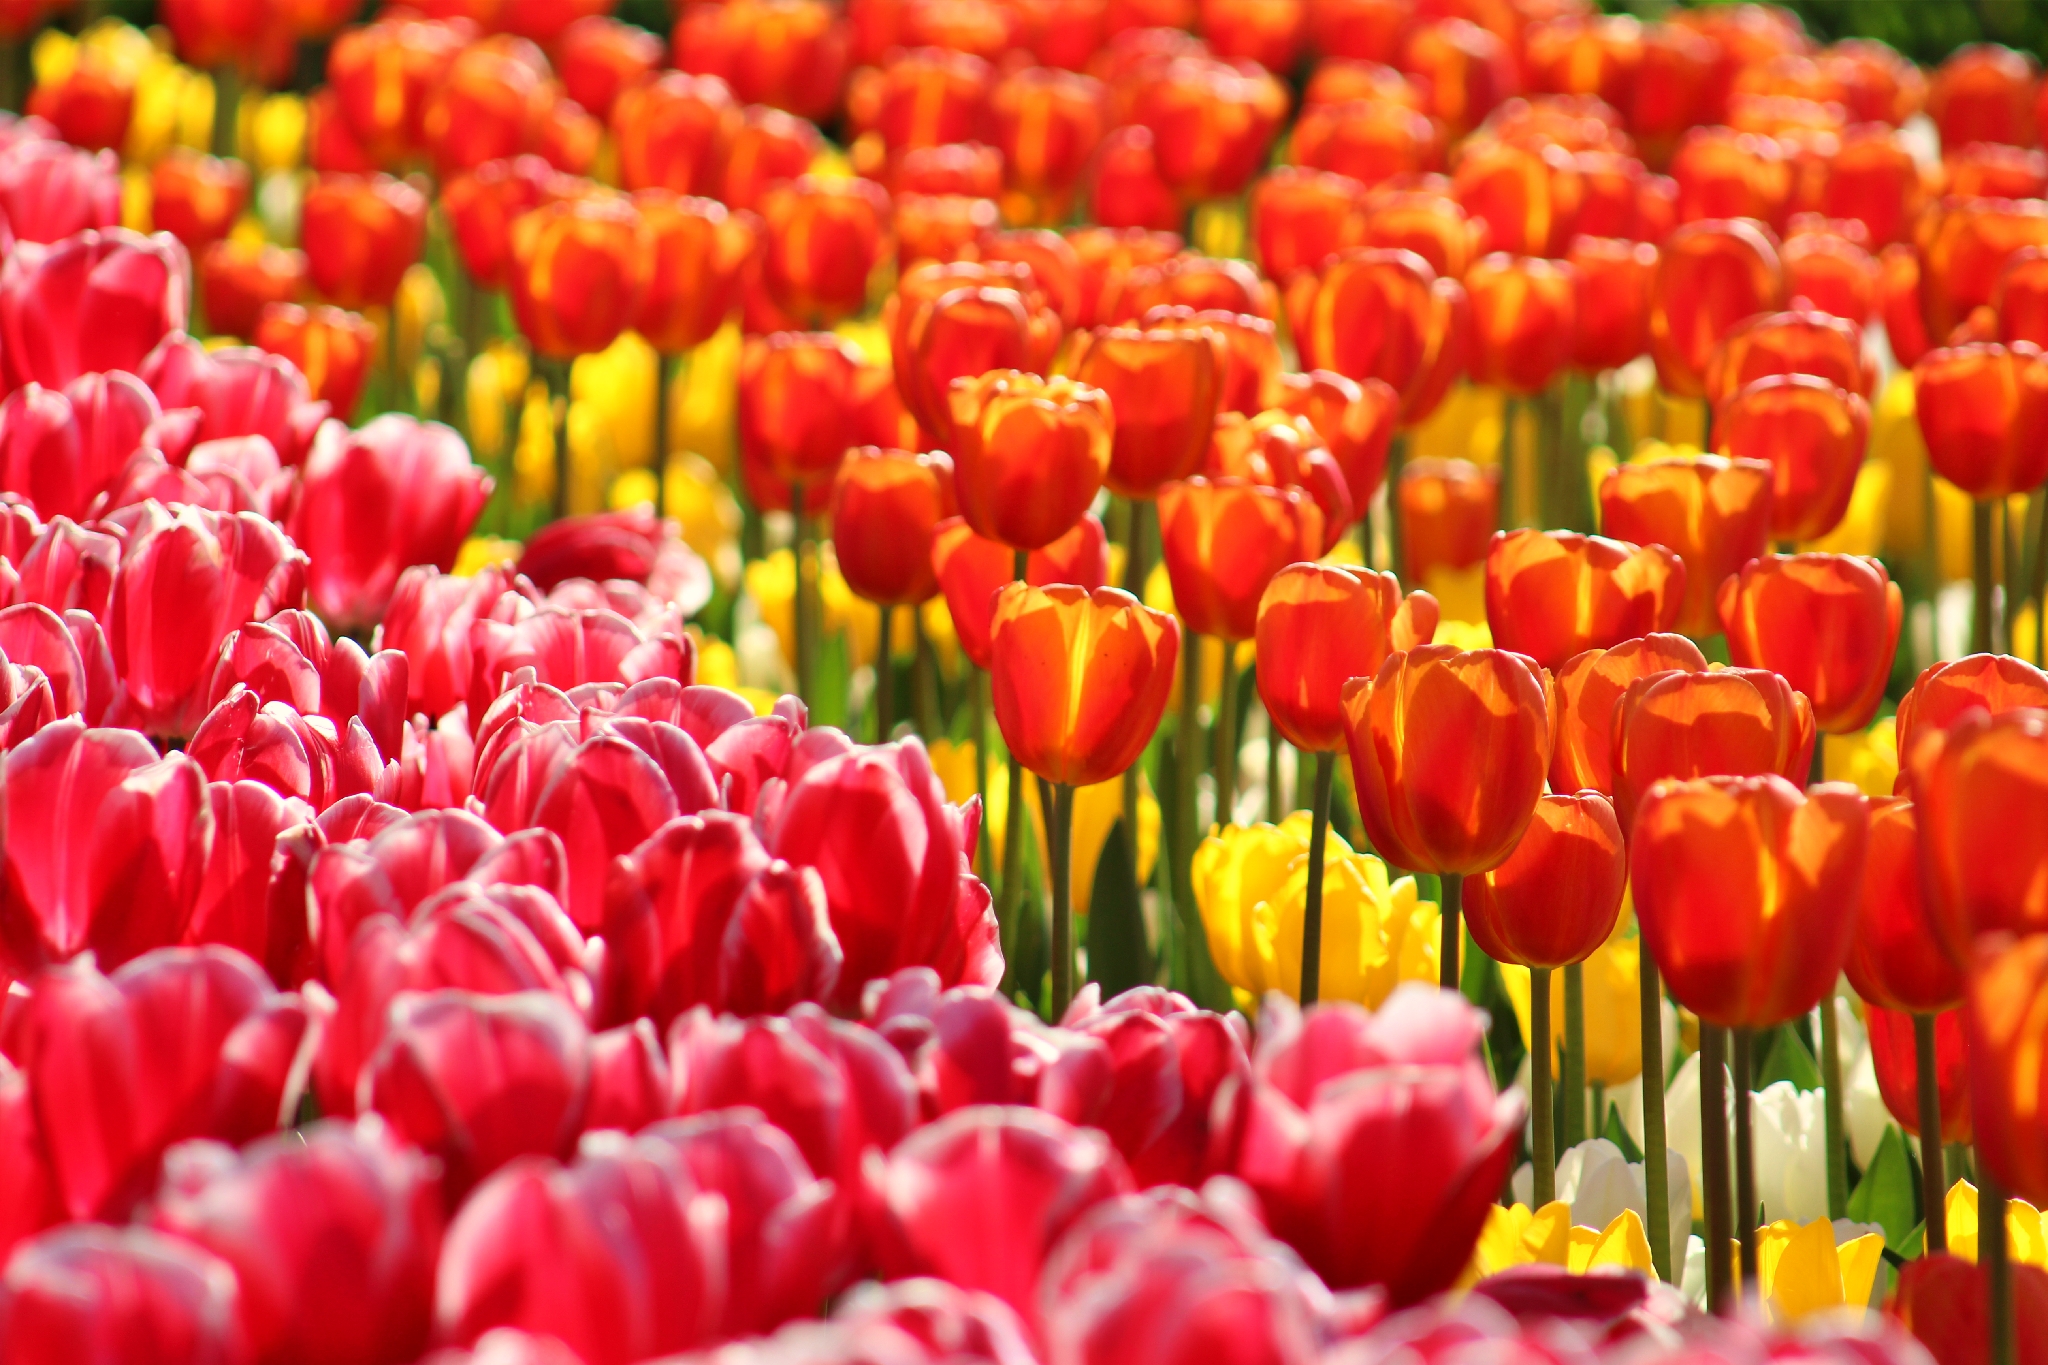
(1800,1270)
(1862,528)
(1896,444)
(1465,426)
(533,458)
(1464,634)
(1514,1236)
(138,200)
(2026,1233)
(1614,1007)
(480,552)
(278,132)
(954,764)
(1868,758)
(1460,595)
(702,411)
(1251,887)
(617,386)
(420,305)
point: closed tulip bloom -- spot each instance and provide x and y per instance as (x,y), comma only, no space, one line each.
(1613,321)
(1983,409)
(239,280)
(1301,216)
(51,190)
(1827,624)
(805,399)
(939,227)
(1248,360)
(1746,891)
(699,249)
(1835,274)
(2008,980)
(1524,314)
(1448,750)
(1319,626)
(1162,383)
(963,333)
(579,270)
(1355,420)
(100,300)
(1725,174)
(1526,198)
(1428,223)
(1223,539)
(331,347)
(131,1288)
(921,97)
(359,234)
(1798,342)
(1589,688)
(1893,1060)
(1125,188)
(1213,121)
(1464,69)
(1962,248)
(1990,684)
(1279,450)
(1813,436)
(971,570)
(1079,679)
(197,198)
(1369,140)
(1732,722)
(1108,257)
(489,104)
(1449,510)
(2022,297)
(1029,454)
(672,132)
(1556,898)
(786,53)
(598,58)
(1976,785)
(1046,123)
(1552,594)
(482,205)
(767,148)
(382,75)
(1714,513)
(1983,93)
(824,238)
(91,107)
(1896,961)
(1872,179)
(1710,275)
(1368,316)
(885,506)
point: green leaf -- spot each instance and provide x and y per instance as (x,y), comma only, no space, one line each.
(1616,1132)
(1117,953)
(1788,1060)
(1885,1195)
(834,672)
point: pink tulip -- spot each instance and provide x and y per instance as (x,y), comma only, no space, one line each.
(937,1320)
(60,448)
(477,1080)
(630,1084)
(68,567)
(100,300)
(508,1346)
(568,648)
(107,847)
(699,914)
(332,1232)
(303,758)
(232,474)
(26,703)
(234,905)
(980,1196)
(396,493)
(437,763)
(180,1043)
(632,546)
(288,954)
(1333,1110)
(28,1186)
(428,620)
(291,658)
(977,1048)
(69,650)
(893,854)
(236,391)
(50,190)
(96,1294)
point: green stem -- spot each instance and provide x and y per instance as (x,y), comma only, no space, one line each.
(666,368)
(1226,738)
(806,606)
(1831,1102)
(924,680)
(1138,548)
(1982,577)
(554,372)
(1059,838)
(1007,908)
(1397,456)
(1574,1055)
(885,720)
(1656,1166)
(1542,1118)
(1745,1151)
(977,718)
(1312,915)
(13,88)
(1512,495)
(227,108)
(1933,1180)
(1447,943)
(1996,1259)
(1275,808)
(1714,1165)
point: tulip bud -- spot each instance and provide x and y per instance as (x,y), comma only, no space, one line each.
(360,234)
(1029,454)
(886,505)
(1827,624)
(1162,385)
(1319,627)
(672,132)
(1872,179)
(824,238)
(579,269)
(1465,71)
(489,104)
(1552,594)
(1895,961)
(1556,898)
(2008,978)
(1983,409)
(1963,245)
(1223,539)
(1526,199)
(1524,316)
(1833,272)
(1613,315)
(1715,514)
(1800,342)
(806,399)
(1431,225)
(197,198)
(1127,190)
(1367,314)
(1710,275)
(1449,510)
(1812,434)
(694,284)
(1983,93)
(964,333)
(767,148)
(599,58)
(1735,722)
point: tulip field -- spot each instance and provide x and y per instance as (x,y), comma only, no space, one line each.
(1023,682)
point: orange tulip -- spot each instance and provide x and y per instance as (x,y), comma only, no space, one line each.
(1714,513)
(1987,684)
(1556,898)
(1832,272)
(1054,265)
(1356,422)
(1524,317)
(1730,722)
(972,569)
(1248,361)
(1279,450)
(921,97)
(1963,247)
(1212,122)
(91,106)
(1613,285)
(1107,257)
(599,58)
(1980,789)
(1872,179)
(1127,190)
(885,506)
(1079,679)
(1047,124)
(1223,539)
(805,399)
(579,268)
(2008,1043)
(1983,409)
(1319,626)
(1429,224)
(1367,314)
(332,348)
(825,237)
(1814,343)
(768,147)
(1827,624)
(1300,216)
(1358,30)
(1983,93)
(1268,32)
(197,198)
(1029,454)
(964,333)
(489,104)
(1201,284)
(974,169)
(1448,750)
(1746,889)
(382,75)
(1613,190)
(1722,174)
(1369,140)
(1526,197)
(1464,71)
(672,132)
(1994,170)
(1898,302)
(787,53)
(1551,594)
(359,234)
(1812,434)
(482,204)
(1672,89)
(1710,276)
(1586,55)
(1449,510)
(1162,385)
(1895,961)
(939,227)
(693,284)
(1589,688)
(237,281)
(2021,297)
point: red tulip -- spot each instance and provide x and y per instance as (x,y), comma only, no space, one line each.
(50,191)
(1464,71)
(1827,624)
(1525,199)
(1223,540)
(567,647)
(1107,257)
(886,504)
(1448,510)
(1029,454)
(1813,436)
(1314,1134)
(2003,1025)
(1248,360)
(332,348)
(237,281)
(1975,785)
(694,286)
(788,53)
(1524,316)
(95,301)
(1319,627)
(92,1292)
(332,1232)
(1832,272)
(428,619)
(1162,385)
(1736,722)
(197,198)
(179,1043)
(1991,684)
(236,391)
(1370,140)
(963,333)
(805,399)
(1715,514)
(1872,179)
(617,549)
(1895,961)
(824,239)
(1127,190)
(1613,315)
(1725,174)
(360,233)
(1945,1301)
(1981,408)
(482,204)
(1710,276)
(1984,93)
(1892,1056)
(91,105)
(1556,898)
(671,132)
(489,104)
(1553,594)
(768,148)
(1037,1174)
(1213,122)
(27,1185)
(599,57)
(1589,688)
(61,448)
(579,269)
(1047,123)
(971,570)
(382,74)
(1275,449)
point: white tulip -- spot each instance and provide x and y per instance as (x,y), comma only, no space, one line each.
(1598,1182)
(1790,1147)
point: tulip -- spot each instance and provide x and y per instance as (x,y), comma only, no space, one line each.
(1980,409)
(1356,420)
(598,58)
(105,1289)
(91,106)
(382,75)
(1894,1054)
(824,238)
(1724,174)
(1164,1138)
(1813,436)
(1163,387)
(1710,275)
(1213,122)
(1368,316)
(1029,454)
(1524,314)
(671,132)
(768,148)
(1983,93)
(332,348)
(1553,594)
(428,619)
(1048,1172)
(483,203)
(1127,190)
(238,281)
(1107,258)
(489,104)
(1046,122)
(60,449)
(1737,722)
(2002,1020)
(786,53)
(1973,783)
(417,477)
(1370,140)
(886,505)
(1301,216)
(1447,511)
(1589,688)
(971,570)
(1807,343)
(1223,540)
(1525,200)
(1944,693)
(51,191)
(693,285)
(1835,274)
(964,333)
(1464,69)
(1945,1301)
(579,269)
(360,233)
(1963,246)
(567,648)
(1613,314)
(197,198)
(1712,512)
(1827,624)
(100,300)
(1317,628)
